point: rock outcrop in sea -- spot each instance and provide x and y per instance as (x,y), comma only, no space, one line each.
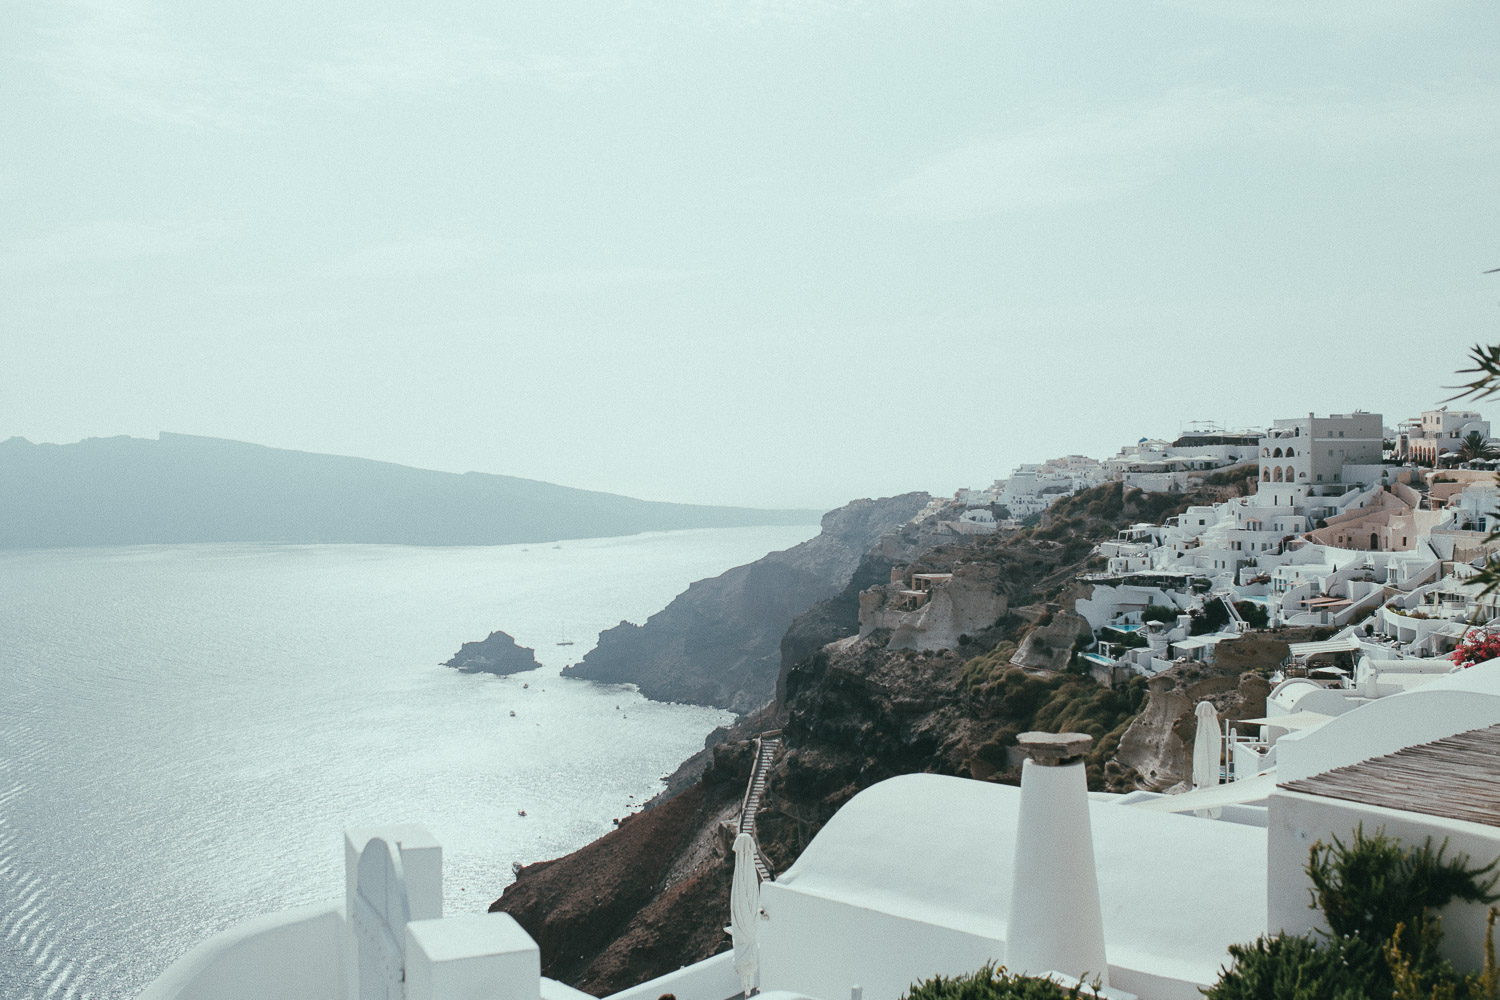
(497,653)
(719,642)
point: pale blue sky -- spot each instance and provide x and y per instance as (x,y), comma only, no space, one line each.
(735,251)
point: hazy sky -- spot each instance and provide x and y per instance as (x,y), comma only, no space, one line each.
(776,252)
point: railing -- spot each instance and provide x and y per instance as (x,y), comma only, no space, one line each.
(767,745)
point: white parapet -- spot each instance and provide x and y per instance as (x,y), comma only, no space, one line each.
(480,956)
(1055,919)
(421,858)
(711,979)
(292,955)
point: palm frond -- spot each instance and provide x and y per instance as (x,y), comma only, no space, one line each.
(1486,365)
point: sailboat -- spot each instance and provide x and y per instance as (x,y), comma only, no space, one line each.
(563,639)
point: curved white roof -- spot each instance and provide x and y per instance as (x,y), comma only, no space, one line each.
(1447,704)
(1176,891)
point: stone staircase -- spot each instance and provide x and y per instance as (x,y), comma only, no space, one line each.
(767,745)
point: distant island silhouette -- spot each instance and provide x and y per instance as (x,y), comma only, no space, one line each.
(185,488)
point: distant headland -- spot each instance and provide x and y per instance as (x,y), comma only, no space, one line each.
(184,488)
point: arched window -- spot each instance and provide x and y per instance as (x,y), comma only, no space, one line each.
(1291,475)
(1276,453)
(1290,453)
(1265,453)
(1265,475)
(1278,474)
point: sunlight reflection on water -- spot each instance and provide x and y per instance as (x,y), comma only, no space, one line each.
(185,730)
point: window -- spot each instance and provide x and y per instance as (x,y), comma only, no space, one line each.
(1341,433)
(1320,477)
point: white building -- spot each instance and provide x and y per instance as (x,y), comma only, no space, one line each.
(1438,433)
(1314,451)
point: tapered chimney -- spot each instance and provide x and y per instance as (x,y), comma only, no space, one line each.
(1055,921)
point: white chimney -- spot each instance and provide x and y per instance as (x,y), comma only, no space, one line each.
(1055,921)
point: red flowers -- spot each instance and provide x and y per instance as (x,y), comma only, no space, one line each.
(1476,646)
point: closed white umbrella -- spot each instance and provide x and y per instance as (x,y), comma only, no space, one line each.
(1206,747)
(744,911)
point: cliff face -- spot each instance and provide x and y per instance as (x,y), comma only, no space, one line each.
(498,653)
(1158,745)
(718,643)
(856,709)
(629,906)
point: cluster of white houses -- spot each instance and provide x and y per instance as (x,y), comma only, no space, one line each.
(1349,529)
(1324,452)
(1337,535)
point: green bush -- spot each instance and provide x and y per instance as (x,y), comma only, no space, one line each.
(1372,885)
(1211,618)
(992,982)
(1254,613)
(1377,897)
(1159,613)
(1287,967)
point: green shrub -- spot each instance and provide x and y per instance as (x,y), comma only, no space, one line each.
(1377,897)
(1212,617)
(1288,967)
(1373,884)
(1255,614)
(1414,982)
(1159,613)
(992,982)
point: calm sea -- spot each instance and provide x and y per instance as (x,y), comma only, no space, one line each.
(185,730)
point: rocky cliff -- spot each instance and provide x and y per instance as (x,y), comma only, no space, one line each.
(1158,745)
(719,642)
(496,654)
(857,707)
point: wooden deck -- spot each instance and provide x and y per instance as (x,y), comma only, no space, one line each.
(1457,777)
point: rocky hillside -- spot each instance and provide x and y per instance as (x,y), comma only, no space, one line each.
(1157,747)
(855,709)
(719,642)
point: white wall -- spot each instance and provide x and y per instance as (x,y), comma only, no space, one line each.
(711,979)
(823,946)
(1298,820)
(292,955)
